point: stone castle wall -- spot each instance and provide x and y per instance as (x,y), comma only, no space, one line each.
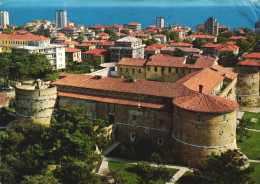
(196,135)
(248,85)
(36,104)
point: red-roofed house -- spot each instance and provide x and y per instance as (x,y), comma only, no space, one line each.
(234,38)
(100,55)
(154,49)
(62,39)
(97,27)
(69,44)
(209,48)
(253,55)
(207,38)
(106,45)
(160,37)
(200,27)
(73,54)
(226,49)
(133,25)
(222,29)
(181,44)
(85,46)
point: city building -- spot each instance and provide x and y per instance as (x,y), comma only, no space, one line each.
(186,117)
(207,38)
(61,18)
(257,27)
(99,55)
(127,47)
(161,67)
(134,26)
(73,54)
(7,41)
(4,18)
(160,22)
(212,26)
(55,53)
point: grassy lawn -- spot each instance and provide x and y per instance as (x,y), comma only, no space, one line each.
(253,115)
(255,175)
(251,147)
(128,171)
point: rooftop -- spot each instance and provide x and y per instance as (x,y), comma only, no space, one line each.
(206,103)
(72,50)
(97,52)
(255,55)
(128,39)
(249,62)
(23,37)
(132,62)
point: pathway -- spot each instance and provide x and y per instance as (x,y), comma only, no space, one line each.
(255,161)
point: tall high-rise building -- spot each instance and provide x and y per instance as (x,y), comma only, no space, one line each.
(61,18)
(160,22)
(4,18)
(257,27)
(211,26)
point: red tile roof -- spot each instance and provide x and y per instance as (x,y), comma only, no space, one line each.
(181,44)
(113,100)
(166,60)
(132,62)
(206,77)
(159,35)
(202,36)
(94,41)
(223,27)
(97,26)
(72,50)
(227,48)
(69,43)
(255,55)
(3,99)
(97,52)
(112,43)
(63,38)
(204,63)
(102,34)
(201,25)
(211,45)
(69,27)
(133,23)
(206,103)
(84,45)
(140,87)
(249,62)
(156,46)
(23,37)
(236,37)
(224,72)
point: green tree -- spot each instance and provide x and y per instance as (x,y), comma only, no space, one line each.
(5,65)
(81,37)
(242,128)
(40,179)
(150,41)
(227,168)
(29,28)
(197,43)
(228,60)
(222,39)
(125,32)
(111,33)
(178,53)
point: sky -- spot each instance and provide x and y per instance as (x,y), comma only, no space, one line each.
(88,3)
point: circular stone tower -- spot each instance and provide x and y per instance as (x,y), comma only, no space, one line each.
(248,85)
(203,124)
(35,100)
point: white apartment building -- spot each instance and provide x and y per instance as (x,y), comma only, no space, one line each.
(61,18)
(160,22)
(55,53)
(4,18)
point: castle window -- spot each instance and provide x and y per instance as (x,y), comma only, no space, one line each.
(146,130)
(148,68)
(178,112)
(239,98)
(162,70)
(169,70)
(134,118)
(126,69)
(121,69)
(155,69)
(133,70)
(199,117)
(140,71)
(160,141)
(224,118)
(177,70)
(161,122)
(132,137)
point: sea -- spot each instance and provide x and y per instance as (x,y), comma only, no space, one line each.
(232,16)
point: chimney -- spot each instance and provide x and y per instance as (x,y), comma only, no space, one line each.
(200,88)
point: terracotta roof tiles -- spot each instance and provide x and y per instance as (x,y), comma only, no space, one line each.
(132,62)
(72,50)
(225,72)
(23,37)
(97,52)
(166,60)
(206,103)
(255,55)
(249,62)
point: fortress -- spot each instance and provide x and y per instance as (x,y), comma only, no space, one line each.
(193,117)
(35,100)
